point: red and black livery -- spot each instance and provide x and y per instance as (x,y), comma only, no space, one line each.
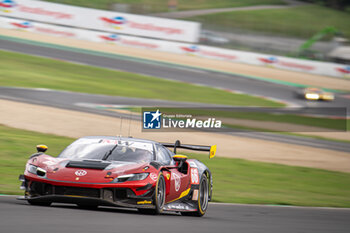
(126,172)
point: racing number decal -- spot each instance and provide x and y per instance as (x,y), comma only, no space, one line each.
(194,176)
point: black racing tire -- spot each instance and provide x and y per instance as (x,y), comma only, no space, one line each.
(158,198)
(203,198)
(39,203)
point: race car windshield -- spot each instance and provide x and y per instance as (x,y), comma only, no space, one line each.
(99,150)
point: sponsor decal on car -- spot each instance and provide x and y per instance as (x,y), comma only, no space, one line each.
(177,180)
(153,176)
(194,176)
(137,145)
(81,173)
(195,195)
(144,202)
(177,206)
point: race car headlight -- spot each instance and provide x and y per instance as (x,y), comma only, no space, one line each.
(36,170)
(130,177)
(32,169)
(312,96)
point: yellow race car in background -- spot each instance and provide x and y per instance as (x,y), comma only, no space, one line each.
(312,93)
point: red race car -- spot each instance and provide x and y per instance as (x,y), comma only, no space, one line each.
(126,172)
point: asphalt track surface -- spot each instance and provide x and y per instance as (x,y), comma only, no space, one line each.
(81,101)
(18,216)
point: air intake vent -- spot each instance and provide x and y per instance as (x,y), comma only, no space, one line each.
(99,165)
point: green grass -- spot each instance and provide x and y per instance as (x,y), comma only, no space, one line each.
(255,129)
(15,148)
(303,21)
(22,70)
(235,180)
(162,5)
(327,123)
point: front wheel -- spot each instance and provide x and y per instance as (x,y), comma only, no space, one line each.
(203,198)
(159,197)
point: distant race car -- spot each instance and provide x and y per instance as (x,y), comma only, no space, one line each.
(115,171)
(312,93)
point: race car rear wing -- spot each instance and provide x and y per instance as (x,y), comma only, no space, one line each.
(177,144)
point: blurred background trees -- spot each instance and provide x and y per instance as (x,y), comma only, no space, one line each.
(336,4)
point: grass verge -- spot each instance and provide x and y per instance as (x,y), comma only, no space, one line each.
(235,180)
(303,21)
(141,6)
(255,129)
(23,70)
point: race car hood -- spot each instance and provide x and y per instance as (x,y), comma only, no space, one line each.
(85,171)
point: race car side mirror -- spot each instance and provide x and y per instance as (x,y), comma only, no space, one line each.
(41,148)
(180,158)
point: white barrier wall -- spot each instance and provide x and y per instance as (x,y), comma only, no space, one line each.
(313,67)
(115,22)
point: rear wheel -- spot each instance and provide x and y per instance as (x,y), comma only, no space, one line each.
(40,203)
(159,197)
(203,198)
